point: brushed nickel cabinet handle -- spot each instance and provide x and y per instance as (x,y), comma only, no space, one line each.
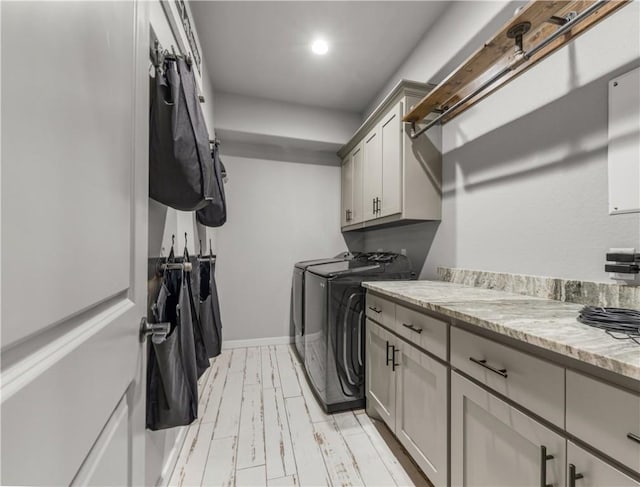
(633,437)
(412,328)
(393,356)
(544,458)
(483,363)
(573,476)
(375,310)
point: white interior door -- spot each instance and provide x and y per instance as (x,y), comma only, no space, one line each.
(74,241)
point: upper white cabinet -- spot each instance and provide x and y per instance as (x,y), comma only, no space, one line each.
(398,179)
(347,191)
(372,173)
(352,189)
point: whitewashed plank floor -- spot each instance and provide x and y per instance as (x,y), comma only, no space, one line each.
(260,425)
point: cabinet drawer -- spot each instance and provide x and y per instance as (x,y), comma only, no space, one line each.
(423,330)
(381,310)
(605,417)
(534,383)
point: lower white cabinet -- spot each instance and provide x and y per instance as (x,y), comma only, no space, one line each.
(408,390)
(421,411)
(585,470)
(380,380)
(495,445)
(461,433)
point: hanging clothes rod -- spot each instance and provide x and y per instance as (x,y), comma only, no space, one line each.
(158,55)
(208,258)
(177,266)
(520,58)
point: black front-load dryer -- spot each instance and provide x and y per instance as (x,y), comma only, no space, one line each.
(334,325)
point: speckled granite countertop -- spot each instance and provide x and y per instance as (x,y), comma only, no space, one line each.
(546,323)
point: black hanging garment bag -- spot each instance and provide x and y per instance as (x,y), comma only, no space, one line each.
(199,328)
(214,214)
(209,306)
(172,378)
(180,165)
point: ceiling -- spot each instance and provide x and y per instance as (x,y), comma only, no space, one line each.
(263,49)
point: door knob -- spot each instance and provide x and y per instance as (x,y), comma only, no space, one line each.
(157,331)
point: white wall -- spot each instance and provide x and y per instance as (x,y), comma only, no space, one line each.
(251,115)
(459,31)
(249,126)
(278,213)
(525,170)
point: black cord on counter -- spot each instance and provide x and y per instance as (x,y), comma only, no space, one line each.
(612,320)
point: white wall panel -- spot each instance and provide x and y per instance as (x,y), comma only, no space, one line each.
(624,143)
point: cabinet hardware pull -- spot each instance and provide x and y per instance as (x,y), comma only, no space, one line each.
(633,437)
(393,357)
(544,458)
(483,363)
(388,358)
(573,476)
(373,209)
(375,310)
(412,328)
(378,205)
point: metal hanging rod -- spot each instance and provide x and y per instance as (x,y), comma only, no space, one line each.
(177,266)
(521,57)
(158,55)
(207,258)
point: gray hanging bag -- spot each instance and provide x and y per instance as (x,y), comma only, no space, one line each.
(180,166)
(172,387)
(214,214)
(209,305)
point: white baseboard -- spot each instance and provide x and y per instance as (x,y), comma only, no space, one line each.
(257,342)
(172,458)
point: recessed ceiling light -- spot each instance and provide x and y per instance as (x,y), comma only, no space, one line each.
(320,47)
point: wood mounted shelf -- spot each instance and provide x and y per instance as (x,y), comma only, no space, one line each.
(543,26)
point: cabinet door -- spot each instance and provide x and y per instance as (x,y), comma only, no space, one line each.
(346,216)
(372,174)
(391,138)
(586,470)
(380,378)
(421,412)
(494,444)
(357,215)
